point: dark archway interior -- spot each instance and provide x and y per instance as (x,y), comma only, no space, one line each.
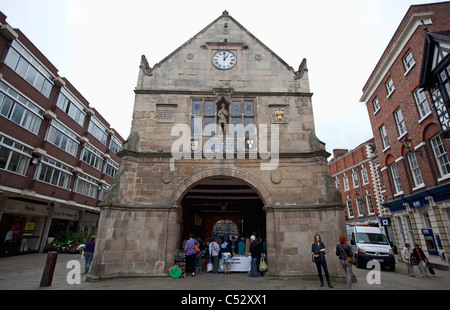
(215,199)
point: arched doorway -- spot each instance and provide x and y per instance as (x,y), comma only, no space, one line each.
(222,200)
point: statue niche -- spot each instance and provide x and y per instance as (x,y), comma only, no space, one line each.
(222,115)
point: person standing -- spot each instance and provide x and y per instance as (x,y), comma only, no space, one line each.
(318,250)
(89,253)
(255,252)
(241,246)
(225,249)
(406,255)
(343,250)
(214,251)
(419,255)
(191,254)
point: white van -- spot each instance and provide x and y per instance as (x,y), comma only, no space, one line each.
(369,243)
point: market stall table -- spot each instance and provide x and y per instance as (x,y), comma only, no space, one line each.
(238,264)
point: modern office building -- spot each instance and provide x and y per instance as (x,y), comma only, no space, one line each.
(57,153)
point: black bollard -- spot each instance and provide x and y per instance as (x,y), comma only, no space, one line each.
(47,276)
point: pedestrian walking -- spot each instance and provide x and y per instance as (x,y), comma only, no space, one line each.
(89,253)
(406,255)
(214,251)
(318,251)
(191,254)
(419,256)
(343,250)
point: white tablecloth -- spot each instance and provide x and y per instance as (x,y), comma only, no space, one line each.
(238,264)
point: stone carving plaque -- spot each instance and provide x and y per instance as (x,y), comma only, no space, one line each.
(165,112)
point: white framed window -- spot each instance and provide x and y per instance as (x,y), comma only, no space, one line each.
(14,157)
(384,137)
(440,155)
(71,106)
(360,206)
(53,172)
(63,138)
(421,102)
(86,185)
(98,130)
(19,110)
(401,127)
(370,204)
(376,105)
(115,145)
(346,184)
(337,184)
(111,168)
(415,169)
(350,208)
(408,61)
(92,156)
(25,65)
(355,179)
(390,86)
(396,178)
(365,176)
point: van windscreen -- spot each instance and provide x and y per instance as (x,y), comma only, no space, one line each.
(371,238)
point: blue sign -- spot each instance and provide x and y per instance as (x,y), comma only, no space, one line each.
(385,221)
(427,232)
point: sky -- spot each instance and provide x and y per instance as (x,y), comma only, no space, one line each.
(97,45)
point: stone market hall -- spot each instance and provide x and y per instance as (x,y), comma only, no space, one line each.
(222,135)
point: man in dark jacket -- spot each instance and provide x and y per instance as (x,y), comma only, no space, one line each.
(255,252)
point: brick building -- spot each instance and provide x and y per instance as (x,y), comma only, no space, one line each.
(412,154)
(356,174)
(57,153)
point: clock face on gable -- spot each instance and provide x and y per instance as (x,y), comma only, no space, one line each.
(224,60)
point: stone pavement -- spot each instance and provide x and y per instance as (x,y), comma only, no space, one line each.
(24,273)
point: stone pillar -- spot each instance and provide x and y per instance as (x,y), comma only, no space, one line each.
(290,234)
(172,236)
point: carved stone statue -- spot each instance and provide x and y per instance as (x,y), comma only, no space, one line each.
(223,116)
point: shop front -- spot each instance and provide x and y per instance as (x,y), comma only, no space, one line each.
(21,227)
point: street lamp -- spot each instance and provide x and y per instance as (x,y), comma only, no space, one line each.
(407,143)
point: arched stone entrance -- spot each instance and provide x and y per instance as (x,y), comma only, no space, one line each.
(213,194)
(220,198)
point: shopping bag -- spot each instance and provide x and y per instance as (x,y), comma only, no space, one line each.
(209,266)
(175,272)
(262,265)
(430,269)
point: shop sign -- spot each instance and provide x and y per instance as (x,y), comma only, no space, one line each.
(385,221)
(427,232)
(28,230)
(26,208)
(65,214)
